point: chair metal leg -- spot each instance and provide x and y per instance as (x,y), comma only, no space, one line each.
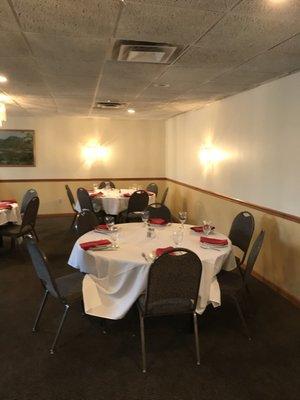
(241,271)
(34,329)
(196,337)
(242,318)
(35,234)
(142,328)
(59,328)
(73,221)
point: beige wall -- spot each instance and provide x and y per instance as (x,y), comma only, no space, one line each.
(258,131)
(135,148)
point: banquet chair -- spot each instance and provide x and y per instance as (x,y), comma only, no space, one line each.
(103,184)
(137,203)
(164,196)
(152,187)
(164,296)
(240,234)
(26,198)
(85,222)
(72,202)
(66,289)
(158,210)
(27,225)
(234,286)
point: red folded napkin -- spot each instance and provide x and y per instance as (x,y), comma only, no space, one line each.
(205,239)
(126,194)
(157,221)
(95,243)
(102,226)
(93,194)
(5,206)
(9,201)
(162,250)
(200,228)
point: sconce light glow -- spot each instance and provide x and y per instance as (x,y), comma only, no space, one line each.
(3,79)
(131,111)
(211,155)
(93,152)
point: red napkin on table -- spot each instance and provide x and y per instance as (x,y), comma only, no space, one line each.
(199,228)
(157,221)
(5,206)
(205,239)
(162,250)
(126,194)
(9,201)
(95,243)
(102,226)
(93,194)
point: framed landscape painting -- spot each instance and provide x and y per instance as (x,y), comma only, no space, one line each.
(17,148)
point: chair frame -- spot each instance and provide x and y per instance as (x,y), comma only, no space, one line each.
(86,214)
(154,210)
(152,187)
(143,315)
(73,204)
(30,243)
(164,196)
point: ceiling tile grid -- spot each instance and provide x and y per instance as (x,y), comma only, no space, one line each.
(58,55)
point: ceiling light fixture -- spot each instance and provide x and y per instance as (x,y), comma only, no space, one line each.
(3,79)
(2,113)
(131,111)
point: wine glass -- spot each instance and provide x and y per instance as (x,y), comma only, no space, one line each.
(110,222)
(182,217)
(206,227)
(145,217)
(178,237)
(115,237)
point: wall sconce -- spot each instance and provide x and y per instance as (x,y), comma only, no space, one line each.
(209,155)
(93,152)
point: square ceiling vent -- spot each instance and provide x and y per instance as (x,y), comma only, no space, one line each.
(144,52)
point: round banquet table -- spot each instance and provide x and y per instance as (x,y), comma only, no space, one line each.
(113,201)
(13,215)
(116,278)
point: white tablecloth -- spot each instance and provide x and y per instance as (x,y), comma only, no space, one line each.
(12,215)
(116,278)
(113,201)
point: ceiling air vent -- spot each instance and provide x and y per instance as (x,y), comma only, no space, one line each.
(144,52)
(108,105)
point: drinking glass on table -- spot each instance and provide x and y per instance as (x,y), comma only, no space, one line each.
(182,217)
(145,217)
(178,236)
(95,187)
(115,237)
(110,222)
(206,227)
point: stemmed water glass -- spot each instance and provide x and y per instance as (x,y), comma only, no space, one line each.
(182,217)
(110,222)
(145,217)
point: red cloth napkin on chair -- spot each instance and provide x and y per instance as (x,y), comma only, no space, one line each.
(102,226)
(199,228)
(9,201)
(162,250)
(157,221)
(205,239)
(95,243)
(5,205)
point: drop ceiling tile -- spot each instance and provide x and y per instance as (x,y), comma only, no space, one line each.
(163,24)
(79,17)
(71,85)
(207,5)
(8,21)
(12,45)
(19,69)
(32,87)
(156,93)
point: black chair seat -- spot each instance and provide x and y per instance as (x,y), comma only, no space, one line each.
(70,286)
(166,306)
(229,281)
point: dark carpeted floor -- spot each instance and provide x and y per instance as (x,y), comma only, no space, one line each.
(89,365)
